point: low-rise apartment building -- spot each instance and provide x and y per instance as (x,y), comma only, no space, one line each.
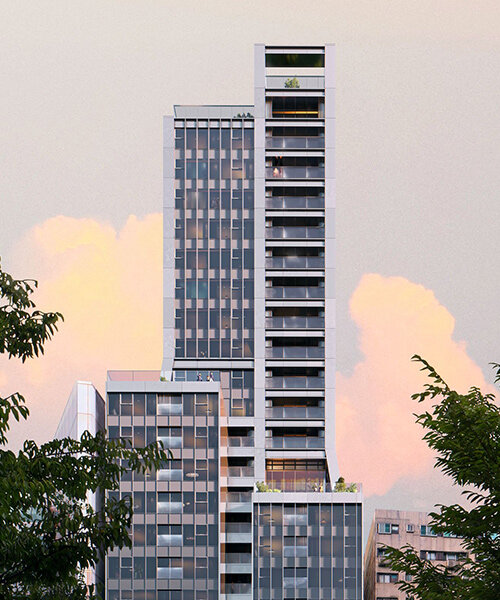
(397,528)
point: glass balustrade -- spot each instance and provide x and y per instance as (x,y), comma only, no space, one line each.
(295,352)
(312,202)
(236,557)
(295,582)
(291,142)
(295,412)
(294,551)
(169,475)
(238,442)
(236,497)
(165,539)
(236,588)
(305,82)
(237,471)
(295,172)
(169,572)
(169,409)
(292,442)
(295,322)
(292,232)
(295,291)
(238,528)
(170,442)
(295,382)
(295,262)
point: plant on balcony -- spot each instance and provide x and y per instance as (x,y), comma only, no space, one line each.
(292,82)
(341,486)
(263,487)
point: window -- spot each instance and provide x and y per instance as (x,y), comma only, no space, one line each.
(426,530)
(387,577)
(387,528)
(410,528)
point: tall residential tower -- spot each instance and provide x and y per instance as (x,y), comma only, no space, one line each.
(246,395)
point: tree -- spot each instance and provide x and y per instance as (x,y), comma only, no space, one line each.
(464,430)
(49,531)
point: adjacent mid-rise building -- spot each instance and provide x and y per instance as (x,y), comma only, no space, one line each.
(84,411)
(247,509)
(396,528)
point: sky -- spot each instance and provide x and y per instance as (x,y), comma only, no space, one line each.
(84,87)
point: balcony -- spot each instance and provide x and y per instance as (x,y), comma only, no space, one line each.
(295,322)
(295,172)
(295,292)
(237,528)
(295,262)
(295,142)
(241,441)
(305,82)
(295,352)
(294,551)
(295,382)
(236,497)
(295,412)
(293,232)
(295,442)
(237,471)
(232,558)
(231,589)
(294,202)
(170,442)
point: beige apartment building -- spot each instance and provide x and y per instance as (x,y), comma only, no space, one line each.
(398,528)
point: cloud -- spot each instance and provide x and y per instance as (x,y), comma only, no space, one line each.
(107,284)
(378,441)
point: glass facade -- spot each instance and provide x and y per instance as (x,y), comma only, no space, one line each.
(307,551)
(214,238)
(174,555)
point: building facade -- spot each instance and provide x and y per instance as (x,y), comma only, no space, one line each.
(398,528)
(84,411)
(247,509)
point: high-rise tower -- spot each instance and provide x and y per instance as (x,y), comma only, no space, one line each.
(246,395)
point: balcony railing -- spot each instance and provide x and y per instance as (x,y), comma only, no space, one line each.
(169,409)
(237,472)
(305,485)
(169,573)
(238,441)
(166,539)
(292,232)
(236,497)
(295,412)
(236,588)
(238,528)
(293,142)
(295,352)
(294,172)
(292,442)
(295,262)
(232,558)
(295,291)
(169,475)
(306,82)
(295,382)
(312,202)
(295,322)
(171,442)
(294,551)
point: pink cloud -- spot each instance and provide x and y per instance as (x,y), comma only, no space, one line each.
(107,284)
(378,441)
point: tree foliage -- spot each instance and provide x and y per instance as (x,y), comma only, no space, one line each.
(464,431)
(49,529)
